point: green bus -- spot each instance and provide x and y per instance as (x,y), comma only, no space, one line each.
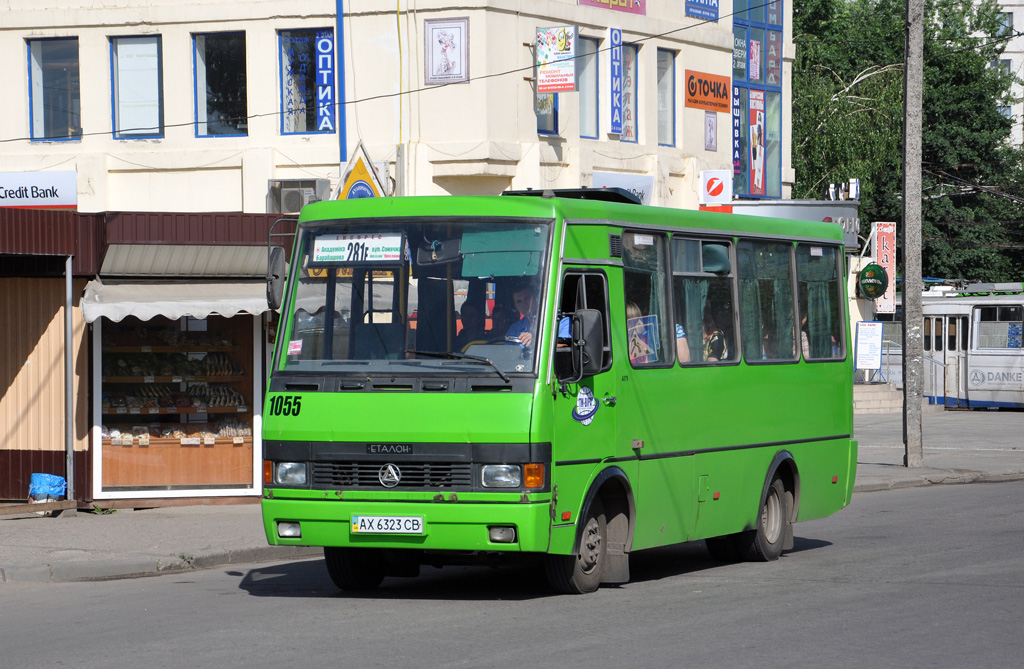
(567,376)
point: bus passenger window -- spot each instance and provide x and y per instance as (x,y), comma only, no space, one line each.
(1000,327)
(702,290)
(644,281)
(822,329)
(767,314)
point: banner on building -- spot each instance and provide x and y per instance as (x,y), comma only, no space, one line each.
(624,6)
(702,9)
(39,190)
(556,59)
(884,249)
(615,39)
(757,138)
(359,178)
(707,91)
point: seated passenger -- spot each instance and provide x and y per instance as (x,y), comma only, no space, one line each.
(472,317)
(715,348)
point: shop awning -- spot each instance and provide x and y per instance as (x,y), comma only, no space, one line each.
(198,299)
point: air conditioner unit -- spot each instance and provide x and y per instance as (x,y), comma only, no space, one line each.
(288,196)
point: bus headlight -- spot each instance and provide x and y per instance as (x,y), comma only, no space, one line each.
(502,476)
(291,473)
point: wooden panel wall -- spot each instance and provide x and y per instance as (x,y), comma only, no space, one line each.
(32,381)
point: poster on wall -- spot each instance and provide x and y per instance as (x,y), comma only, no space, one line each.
(556,59)
(446,43)
(756,142)
(710,131)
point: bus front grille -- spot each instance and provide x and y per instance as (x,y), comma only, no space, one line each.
(412,475)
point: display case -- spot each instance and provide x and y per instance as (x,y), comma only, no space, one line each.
(176,404)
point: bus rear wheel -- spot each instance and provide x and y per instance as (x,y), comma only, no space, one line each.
(764,543)
(581,573)
(354,568)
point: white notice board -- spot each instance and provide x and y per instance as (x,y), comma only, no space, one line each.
(868,345)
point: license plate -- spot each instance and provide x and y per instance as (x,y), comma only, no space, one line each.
(387,525)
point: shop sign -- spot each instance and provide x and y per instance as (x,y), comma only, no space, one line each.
(872,281)
(702,9)
(615,38)
(707,91)
(737,143)
(39,190)
(884,248)
(325,81)
(625,6)
(715,187)
(556,59)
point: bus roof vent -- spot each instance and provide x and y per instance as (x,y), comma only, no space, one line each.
(604,194)
(615,246)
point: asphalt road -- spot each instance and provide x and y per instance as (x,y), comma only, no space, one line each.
(924,577)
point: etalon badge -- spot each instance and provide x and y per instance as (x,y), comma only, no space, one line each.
(389,475)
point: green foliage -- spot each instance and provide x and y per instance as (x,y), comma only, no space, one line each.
(848,118)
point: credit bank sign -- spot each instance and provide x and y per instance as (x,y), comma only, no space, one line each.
(39,190)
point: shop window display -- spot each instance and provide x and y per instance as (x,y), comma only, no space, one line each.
(176,404)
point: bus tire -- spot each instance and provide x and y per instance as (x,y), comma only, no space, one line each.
(581,573)
(354,568)
(764,543)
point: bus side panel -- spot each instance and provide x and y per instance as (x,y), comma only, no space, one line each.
(826,476)
(737,478)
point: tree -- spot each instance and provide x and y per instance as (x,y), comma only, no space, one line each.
(848,117)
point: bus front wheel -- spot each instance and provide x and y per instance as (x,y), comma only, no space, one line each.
(581,573)
(354,568)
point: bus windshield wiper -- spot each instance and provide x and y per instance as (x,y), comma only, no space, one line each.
(449,355)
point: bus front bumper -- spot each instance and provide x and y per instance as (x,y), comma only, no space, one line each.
(457,526)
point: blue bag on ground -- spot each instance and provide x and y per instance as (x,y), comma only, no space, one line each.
(43,486)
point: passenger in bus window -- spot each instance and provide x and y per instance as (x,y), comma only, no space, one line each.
(715,348)
(472,318)
(682,344)
(501,318)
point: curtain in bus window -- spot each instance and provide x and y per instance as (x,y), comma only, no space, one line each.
(765,268)
(696,292)
(819,295)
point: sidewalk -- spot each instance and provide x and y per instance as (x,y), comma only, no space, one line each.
(960,447)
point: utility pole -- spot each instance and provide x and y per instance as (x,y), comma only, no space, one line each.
(913,285)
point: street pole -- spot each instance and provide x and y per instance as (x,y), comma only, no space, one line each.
(913,349)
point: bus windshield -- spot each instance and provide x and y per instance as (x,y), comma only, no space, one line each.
(408,296)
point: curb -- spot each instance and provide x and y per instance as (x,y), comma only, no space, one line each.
(938,477)
(96,570)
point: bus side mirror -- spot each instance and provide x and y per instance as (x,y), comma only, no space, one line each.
(587,343)
(275,277)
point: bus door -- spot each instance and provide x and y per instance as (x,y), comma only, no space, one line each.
(953,357)
(584,417)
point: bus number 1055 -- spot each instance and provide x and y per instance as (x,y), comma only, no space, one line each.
(285,405)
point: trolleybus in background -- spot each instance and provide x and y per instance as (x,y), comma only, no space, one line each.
(675,375)
(973,350)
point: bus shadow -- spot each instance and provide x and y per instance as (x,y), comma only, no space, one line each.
(308,579)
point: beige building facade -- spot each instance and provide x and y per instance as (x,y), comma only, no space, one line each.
(172,106)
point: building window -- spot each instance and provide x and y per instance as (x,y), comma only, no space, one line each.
(629,89)
(547,114)
(308,99)
(1005,24)
(54,89)
(666,98)
(757,99)
(137,90)
(221,106)
(588,90)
